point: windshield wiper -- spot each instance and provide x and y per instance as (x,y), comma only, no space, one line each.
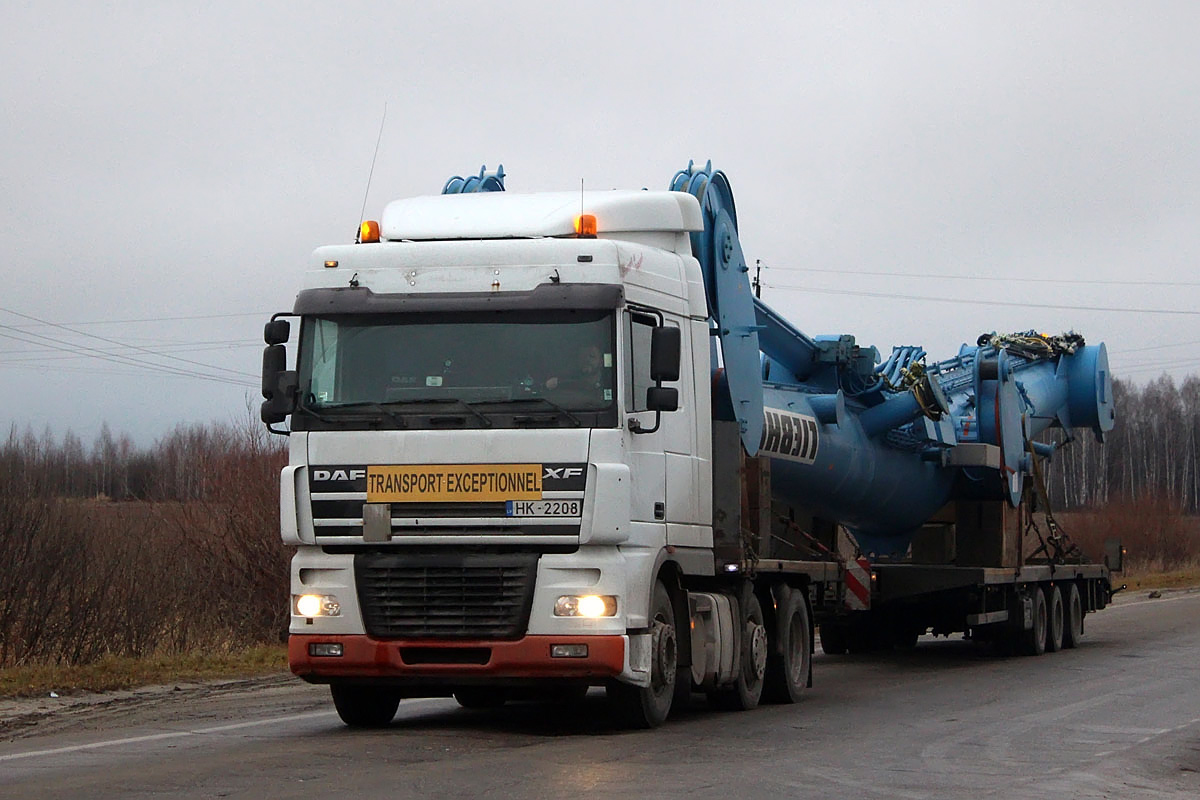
(371,406)
(553,405)
(414,401)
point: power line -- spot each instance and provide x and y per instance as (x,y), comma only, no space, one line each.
(972,301)
(138,348)
(1156,347)
(261,314)
(1000,278)
(24,356)
(69,347)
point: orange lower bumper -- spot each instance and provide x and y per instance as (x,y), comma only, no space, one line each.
(364,657)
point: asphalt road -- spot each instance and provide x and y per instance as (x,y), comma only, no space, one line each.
(1117,718)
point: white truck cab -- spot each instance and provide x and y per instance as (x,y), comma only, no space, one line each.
(500,444)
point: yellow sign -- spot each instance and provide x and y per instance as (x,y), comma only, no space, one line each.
(454,483)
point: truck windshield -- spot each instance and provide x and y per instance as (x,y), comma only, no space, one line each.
(476,369)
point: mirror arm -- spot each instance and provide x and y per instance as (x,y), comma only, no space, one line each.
(635,425)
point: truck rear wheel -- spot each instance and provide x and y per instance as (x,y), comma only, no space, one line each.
(747,691)
(1054,620)
(1033,641)
(790,661)
(647,707)
(1072,616)
(833,639)
(364,706)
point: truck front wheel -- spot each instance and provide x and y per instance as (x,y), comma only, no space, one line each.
(647,707)
(365,706)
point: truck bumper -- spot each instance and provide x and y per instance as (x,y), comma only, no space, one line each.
(425,661)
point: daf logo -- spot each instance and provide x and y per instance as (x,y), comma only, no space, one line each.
(562,473)
(339,474)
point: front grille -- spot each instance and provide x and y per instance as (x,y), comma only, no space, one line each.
(445,596)
(353,509)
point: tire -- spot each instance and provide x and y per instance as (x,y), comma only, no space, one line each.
(905,638)
(1072,616)
(833,640)
(364,706)
(638,707)
(747,691)
(1033,641)
(790,662)
(479,697)
(1054,620)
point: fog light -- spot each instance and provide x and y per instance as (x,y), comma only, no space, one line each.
(317,605)
(568,651)
(325,649)
(588,605)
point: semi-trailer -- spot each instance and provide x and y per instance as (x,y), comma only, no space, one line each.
(543,442)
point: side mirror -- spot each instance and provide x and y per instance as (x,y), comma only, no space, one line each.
(277,331)
(279,385)
(664,354)
(662,398)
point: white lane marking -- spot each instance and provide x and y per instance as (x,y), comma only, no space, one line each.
(158,737)
(1189,596)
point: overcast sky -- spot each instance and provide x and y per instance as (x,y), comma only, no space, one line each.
(163,160)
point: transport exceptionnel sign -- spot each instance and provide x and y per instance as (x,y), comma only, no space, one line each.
(794,437)
(448,483)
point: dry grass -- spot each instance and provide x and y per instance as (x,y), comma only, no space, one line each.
(1173,579)
(122,672)
(1158,538)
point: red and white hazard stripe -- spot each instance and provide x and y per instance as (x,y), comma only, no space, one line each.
(858,584)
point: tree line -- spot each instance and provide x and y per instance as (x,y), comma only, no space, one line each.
(194,559)
(1152,454)
(198,564)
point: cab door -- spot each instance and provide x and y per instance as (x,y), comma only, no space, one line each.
(647,452)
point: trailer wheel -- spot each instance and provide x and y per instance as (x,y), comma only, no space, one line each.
(747,691)
(790,662)
(639,707)
(833,639)
(1072,616)
(480,697)
(905,638)
(1033,641)
(1054,620)
(364,706)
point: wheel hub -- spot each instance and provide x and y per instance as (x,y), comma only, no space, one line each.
(756,635)
(665,656)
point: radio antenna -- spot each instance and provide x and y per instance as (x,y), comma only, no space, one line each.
(363,211)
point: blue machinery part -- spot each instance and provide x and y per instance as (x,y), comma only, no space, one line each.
(483,182)
(882,448)
(730,301)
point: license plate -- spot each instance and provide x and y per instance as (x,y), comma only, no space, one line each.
(543,508)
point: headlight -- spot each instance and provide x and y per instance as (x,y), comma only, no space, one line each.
(317,605)
(588,605)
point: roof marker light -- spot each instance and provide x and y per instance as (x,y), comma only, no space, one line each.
(369,232)
(585,226)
